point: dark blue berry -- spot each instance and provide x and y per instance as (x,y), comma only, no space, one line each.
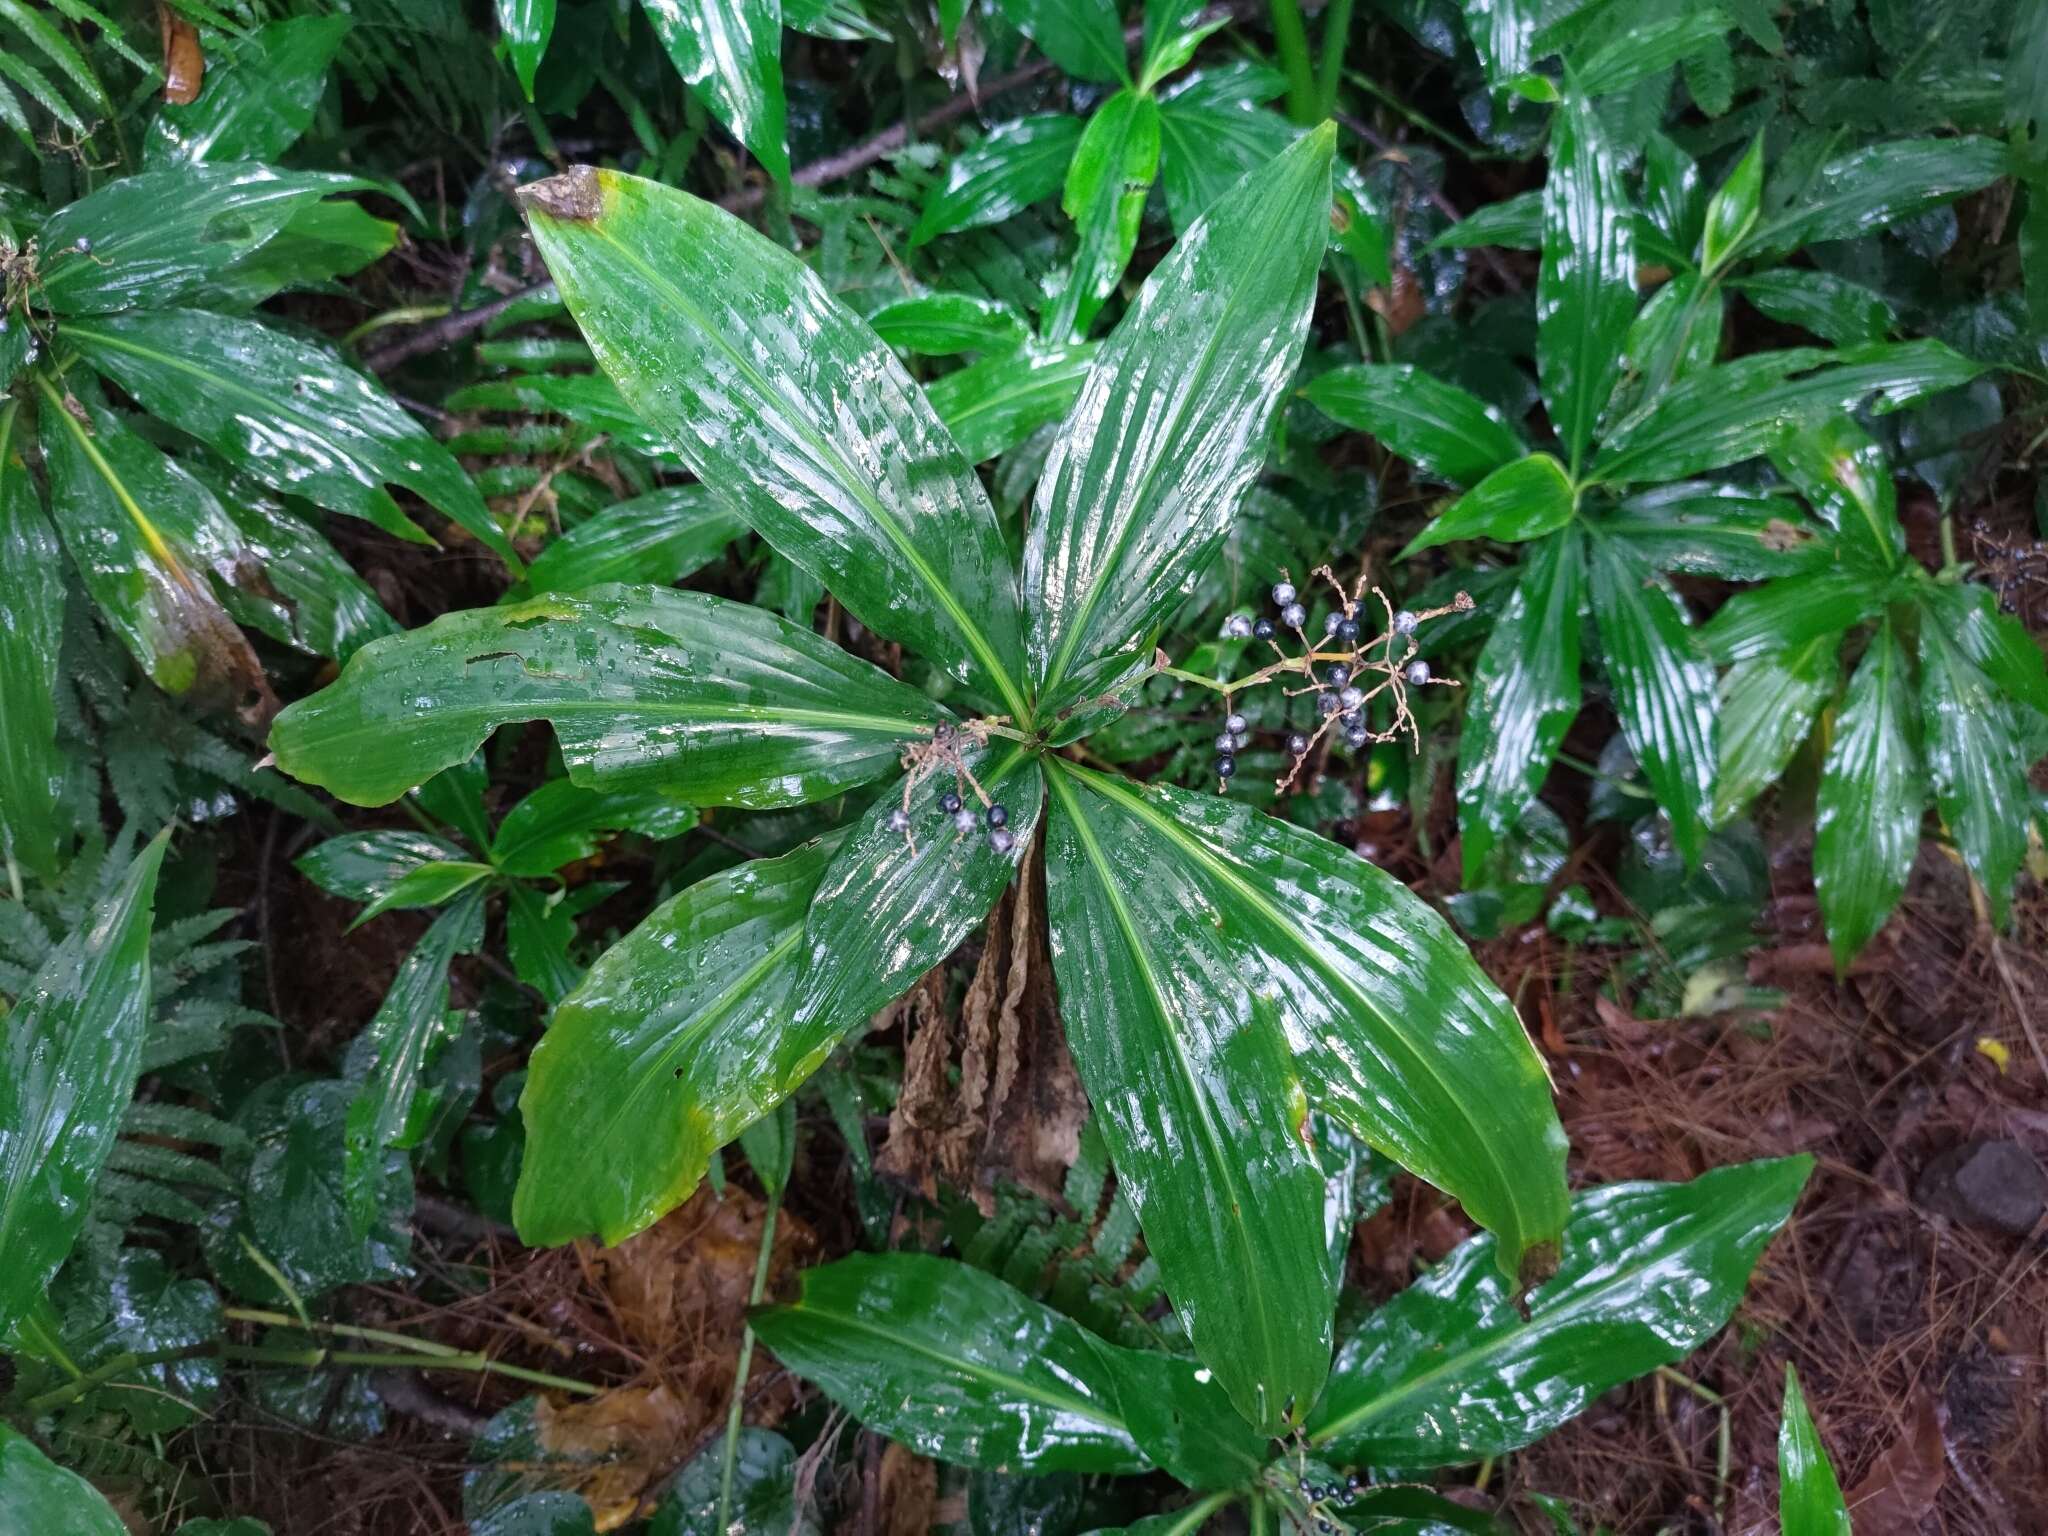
(1226,765)
(82,245)
(1235,722)
(1354,1482)
(1357,738)
(949,802)
(998,815)
(1331,621)
(1351,698)
(1001,840)
(1296,744)
(1347,630)
(1262,629)
(1337,674)
(1328,703)
(1226,742)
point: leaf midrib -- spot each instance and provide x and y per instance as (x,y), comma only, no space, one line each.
(1715,1224)
(1276,918)
(899,537)
(1168,1015)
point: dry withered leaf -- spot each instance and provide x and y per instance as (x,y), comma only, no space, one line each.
(910,1489)
(184,59)
(629,1438)
(1899,1491)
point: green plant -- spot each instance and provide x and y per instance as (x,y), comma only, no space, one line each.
(1205,1040)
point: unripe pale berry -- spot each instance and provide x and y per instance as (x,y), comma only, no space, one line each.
(964,820)
(1238,627)
(1294,615)
(1002,840)
(1234,722)
(899,820)
(1405,622)
(1418,673)
(1351,698)
(1283,593)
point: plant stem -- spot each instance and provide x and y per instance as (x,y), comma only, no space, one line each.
(730,1457)
(121,1364)
(411,314)
(346,1330)
(1336,37)
(1291,37)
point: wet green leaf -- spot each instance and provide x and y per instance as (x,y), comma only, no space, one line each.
(785,402)
(1107,184)
(68,1063)
(764,1492)
(309,596)
(1709,528)
(285,412)
(31,634)
(661,538)
(992,405)
(256,100)
(1636,52)
(1781,617)
(1767,705)
(1978,760)
(364,866)
(1845,313)
(538,932)
(730,52)
(717,702)
(1735,411)
(890,907)
(1084,37)
(682,1024)
(427,886)
(1809,1498)
(1522,698)
(1525,499)
(961,1367)
(391,1055)
(1847,480)
(1732,213)
(943,324)
(1877,185)
(148,537)
(1452,1370)
(1872,792)
(1663,686)
(154,238)
(38,1495)
(1019,163)
(1996,642)
(1586,290)
(526,26)
(1208,147)
(563,821)
(1169,431)
(1502,32)
(1441,429)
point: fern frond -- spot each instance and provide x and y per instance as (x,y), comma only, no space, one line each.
(167,1166)
(180,1122)
(40,86)
(121,1198)
(57,48)
(110,32)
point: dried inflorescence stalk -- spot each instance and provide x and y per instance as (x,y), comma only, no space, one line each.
(946,748)
(1343,672)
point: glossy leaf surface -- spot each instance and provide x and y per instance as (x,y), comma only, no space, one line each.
(1732,213)
(961,1367)
(1524,695)
(256,101)
(526,26)
(147,537)
(730,51)
(1107,184)
(1847,480)
(992,405)
(942,324)
(562,822)
(1208,147)
(661,538)
(37,1495)
(1452,1370)
(718,702)
(1707,528)
(790,407)
(891,908)
(1084,37)
(1017,164)
(1978,760)
(1443,430)
(1877,185)
(675,1040)
(1586,289)
(1663,686)
(31,636)
(285,412)
(394,1050)
(1522,500)
(1996,642)
(1767,705)
(1846,313)
(1169,431)
(365,866)
(155,237)
(68,1063)
(1735,411)
(1872,792)
(1784,615)
(1809,1498)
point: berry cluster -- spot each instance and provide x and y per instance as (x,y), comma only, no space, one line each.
(1311,1493)
(923,759)
(1344,675)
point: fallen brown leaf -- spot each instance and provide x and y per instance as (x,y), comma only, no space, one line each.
(1899,1491)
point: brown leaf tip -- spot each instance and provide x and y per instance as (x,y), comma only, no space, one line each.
(576,196)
